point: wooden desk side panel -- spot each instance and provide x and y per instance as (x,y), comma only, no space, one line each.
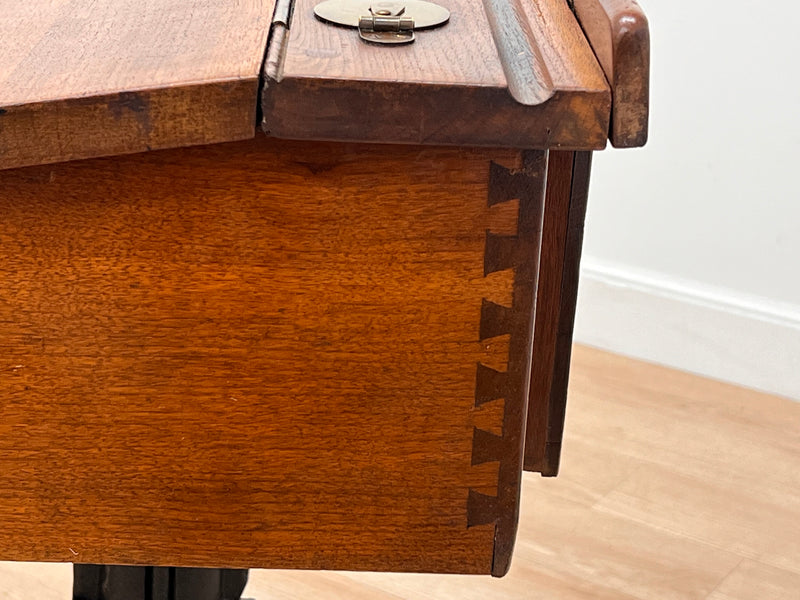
(264,354)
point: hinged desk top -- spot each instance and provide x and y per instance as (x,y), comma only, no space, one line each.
(81,79)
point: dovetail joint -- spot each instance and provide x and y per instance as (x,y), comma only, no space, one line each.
(501,252)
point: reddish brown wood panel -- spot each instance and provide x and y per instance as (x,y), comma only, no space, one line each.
(518,74)
(620,36)
(261,355)
(562,241)
(80,78)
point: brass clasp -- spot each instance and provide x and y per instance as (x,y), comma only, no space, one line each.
(383,21)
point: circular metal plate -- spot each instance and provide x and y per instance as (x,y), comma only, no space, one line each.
(348,12)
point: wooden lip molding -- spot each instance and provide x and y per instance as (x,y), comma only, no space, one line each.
(519,252)
(526,72)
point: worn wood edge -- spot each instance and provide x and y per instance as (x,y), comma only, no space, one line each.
(277,42)
(548,303)
(128,122)
(412,113)
(619,34)
(276,54)
(520,253)
(527,77)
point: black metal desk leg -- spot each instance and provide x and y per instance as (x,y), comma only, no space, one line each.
(109,582)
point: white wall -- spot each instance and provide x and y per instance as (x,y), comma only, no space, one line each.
(708,213)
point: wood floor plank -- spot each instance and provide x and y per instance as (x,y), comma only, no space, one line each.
(42,581)
(752,579)
(615,553)
(736,520)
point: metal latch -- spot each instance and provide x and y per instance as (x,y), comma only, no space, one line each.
(383,21)
(384,27)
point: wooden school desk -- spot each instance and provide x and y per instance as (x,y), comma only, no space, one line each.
(273,295)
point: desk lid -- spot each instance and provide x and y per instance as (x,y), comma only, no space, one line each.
(82,79)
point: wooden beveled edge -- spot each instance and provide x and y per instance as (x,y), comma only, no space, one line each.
(127,122)
(619,34)
(519,252)
(516,117)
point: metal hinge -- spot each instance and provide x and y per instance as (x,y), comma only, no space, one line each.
(383,21)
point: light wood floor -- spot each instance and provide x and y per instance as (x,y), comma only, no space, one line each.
(671,486)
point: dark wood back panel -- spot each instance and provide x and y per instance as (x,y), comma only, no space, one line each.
(562,243)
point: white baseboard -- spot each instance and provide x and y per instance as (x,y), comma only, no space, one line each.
(718,333)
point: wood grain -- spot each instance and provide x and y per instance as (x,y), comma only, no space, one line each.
(656,434)
(628,421)
(449,87)
(81,78)
(570,274)
(255,354)
(620,36)
(559,271)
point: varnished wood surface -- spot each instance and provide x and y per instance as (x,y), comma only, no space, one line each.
(548,307)
(620,36)
(559,270)
(264,354)
(524,78)
(671,486)
(568,297)
(81,78)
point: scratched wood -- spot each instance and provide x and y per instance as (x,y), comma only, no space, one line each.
(80,78)
(507,74)
(248,355)
(620,36)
